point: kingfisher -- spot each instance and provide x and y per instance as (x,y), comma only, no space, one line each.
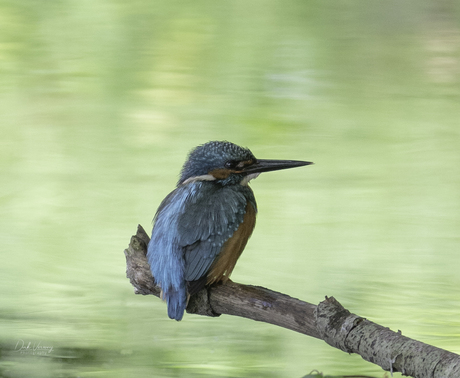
(202,226)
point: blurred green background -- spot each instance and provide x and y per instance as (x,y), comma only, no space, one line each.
(100,103)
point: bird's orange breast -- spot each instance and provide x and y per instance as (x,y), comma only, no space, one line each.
(223,266)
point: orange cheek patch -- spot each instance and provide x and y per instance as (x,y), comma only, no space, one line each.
(220,174)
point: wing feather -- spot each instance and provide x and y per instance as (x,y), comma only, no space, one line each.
(208,221)
(191,226)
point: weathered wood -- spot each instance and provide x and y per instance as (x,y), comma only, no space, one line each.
(328,321)
(264,305)
(377,344)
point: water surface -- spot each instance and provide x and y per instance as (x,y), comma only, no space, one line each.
(100,104)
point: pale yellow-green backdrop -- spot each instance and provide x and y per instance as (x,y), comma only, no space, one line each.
(100,101)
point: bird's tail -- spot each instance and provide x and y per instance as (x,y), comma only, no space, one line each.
(177,302)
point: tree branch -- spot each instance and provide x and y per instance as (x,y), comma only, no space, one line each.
(328,321)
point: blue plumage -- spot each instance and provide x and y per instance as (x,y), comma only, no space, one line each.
(194,224)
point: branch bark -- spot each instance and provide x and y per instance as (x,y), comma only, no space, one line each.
(328,320)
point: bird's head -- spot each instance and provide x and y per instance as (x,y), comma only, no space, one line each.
(228,164)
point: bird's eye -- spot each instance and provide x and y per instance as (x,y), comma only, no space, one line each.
(231,164)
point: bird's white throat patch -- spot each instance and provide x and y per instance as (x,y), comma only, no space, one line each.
(248,178)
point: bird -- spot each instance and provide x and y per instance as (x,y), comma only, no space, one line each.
(201,228)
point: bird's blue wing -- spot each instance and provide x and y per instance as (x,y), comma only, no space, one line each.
(190,227)
(209,220)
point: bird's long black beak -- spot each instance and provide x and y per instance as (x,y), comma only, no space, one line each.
(263,165)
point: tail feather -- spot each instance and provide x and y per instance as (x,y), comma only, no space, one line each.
(177,302)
